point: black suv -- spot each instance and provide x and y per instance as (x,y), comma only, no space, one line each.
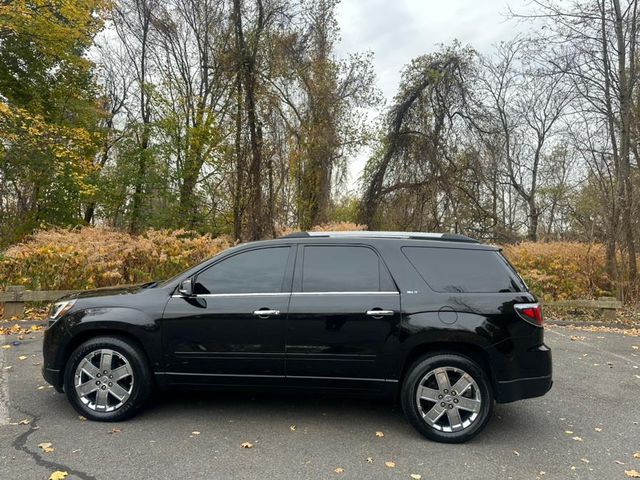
(439,320)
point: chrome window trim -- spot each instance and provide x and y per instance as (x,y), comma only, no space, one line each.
(345,293)
(376,234)
(267,294)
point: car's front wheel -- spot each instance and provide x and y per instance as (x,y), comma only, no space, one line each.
(107,379)
(447,397)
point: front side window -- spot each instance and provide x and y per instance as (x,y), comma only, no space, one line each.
(255,271)
(342,269)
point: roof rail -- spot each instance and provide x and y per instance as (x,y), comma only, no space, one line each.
(452,237)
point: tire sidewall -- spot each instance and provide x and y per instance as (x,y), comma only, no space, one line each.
(141,383)
(410,385)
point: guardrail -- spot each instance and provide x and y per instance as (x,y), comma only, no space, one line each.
(15,296)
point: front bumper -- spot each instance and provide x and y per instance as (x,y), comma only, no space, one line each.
(53,377)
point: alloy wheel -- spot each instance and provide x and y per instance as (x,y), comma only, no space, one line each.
(448,399)
(103,380)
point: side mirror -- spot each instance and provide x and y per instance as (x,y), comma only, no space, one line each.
(186,288)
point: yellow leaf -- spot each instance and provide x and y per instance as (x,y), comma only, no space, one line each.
(246,445)
(369,460)
(22,357)
(390,464)
(339,470)
(292,428)
(46,447)
(415,476)
(577,439)
(195,432)
(636,455)
(632,473)
(58,475)
(380,434)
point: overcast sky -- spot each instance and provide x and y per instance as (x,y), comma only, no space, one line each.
(398,30)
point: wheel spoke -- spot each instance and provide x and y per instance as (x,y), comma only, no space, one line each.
(105,360)
(120,373)
(454,418)
(101,400)
(462,384)
(89,368)
(428,393)
(469,404)
(117,391)
(435,413)
(443,379)
(86,388)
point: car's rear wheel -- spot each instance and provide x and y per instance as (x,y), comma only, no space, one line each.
(447,397)
(107,379)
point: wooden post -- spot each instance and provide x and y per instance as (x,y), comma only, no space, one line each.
(15,307)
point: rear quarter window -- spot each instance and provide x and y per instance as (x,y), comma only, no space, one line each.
(454,270)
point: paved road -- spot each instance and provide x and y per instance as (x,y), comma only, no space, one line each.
(597,386)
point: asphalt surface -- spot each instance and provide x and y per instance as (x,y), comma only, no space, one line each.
(586,427)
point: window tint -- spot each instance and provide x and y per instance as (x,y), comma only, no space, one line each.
(342,269)
(256,271)
(457,270)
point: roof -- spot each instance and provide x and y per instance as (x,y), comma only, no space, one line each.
(451,237)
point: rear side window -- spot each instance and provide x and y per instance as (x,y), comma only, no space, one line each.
(343,269)
(463,271)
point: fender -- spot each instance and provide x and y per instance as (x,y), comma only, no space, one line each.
(129,321)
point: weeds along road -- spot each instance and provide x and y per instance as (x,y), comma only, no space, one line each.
(587,427)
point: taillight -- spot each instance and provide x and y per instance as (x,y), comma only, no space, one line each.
(531,312)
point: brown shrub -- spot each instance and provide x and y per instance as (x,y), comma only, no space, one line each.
(98,257)
(561,270)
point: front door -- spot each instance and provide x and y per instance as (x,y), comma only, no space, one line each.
(231,331)
(344,309)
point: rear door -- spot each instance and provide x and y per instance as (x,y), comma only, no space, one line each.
(343,309)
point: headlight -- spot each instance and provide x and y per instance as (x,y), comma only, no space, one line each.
(58,309)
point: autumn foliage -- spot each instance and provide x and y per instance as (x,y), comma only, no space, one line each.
(98,257)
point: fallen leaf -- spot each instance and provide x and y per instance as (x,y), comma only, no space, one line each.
(58,475)
(81,418)
(46,447)
(292,428)
(390,464)
(10,367)
(619,462)
(76,450)
(635,347)
(632,473)
(42,387)
(517,454)
(246,445)
(577,439)
(598,429)
(584,460)
(636,455)
(568,432)
(369,460)
(114,430)
(195,432)
(4,347)
(339,470)
(415,476)
(577,338)
(22,357)
(26,421)
(379,434)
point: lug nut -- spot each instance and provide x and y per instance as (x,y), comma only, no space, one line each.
(110,376)
(442,404)
(110,384)
(450,406)
(98,375)
(455,400)
(453,392)
(105,372)
(446,391)
(98,382)
(103,387)
(440,397)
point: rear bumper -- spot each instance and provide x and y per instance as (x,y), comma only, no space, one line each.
(518,389)
(530,375)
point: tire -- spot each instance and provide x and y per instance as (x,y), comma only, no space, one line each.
(434,413)
(110,397)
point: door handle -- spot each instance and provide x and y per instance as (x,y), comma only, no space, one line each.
(265,312)
(380,313)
